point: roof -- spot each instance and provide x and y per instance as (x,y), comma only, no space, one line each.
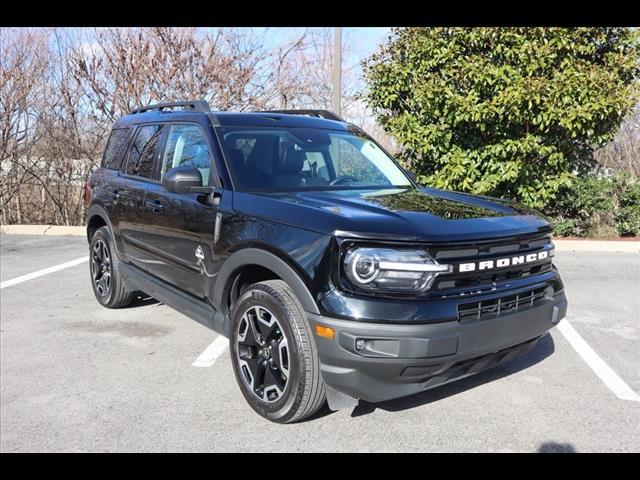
(232,119)
(276,119)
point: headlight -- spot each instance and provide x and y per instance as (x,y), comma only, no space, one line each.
(391,269)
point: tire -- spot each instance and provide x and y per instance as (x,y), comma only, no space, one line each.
(110,292)
(280,322)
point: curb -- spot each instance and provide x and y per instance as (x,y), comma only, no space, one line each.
(561,245)
(596,246)
(42,230)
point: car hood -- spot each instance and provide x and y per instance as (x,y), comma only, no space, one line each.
(422,214)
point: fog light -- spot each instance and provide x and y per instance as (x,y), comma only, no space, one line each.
(360,344)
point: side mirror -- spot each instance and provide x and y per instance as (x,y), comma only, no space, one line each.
(184,180)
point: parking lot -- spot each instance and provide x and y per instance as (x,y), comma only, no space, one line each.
(77,377)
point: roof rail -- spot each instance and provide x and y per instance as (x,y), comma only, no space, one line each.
(195,105)
(311,113)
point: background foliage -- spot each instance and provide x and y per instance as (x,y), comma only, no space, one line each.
(506,112)
(61,89)
(509,112)
(598,206)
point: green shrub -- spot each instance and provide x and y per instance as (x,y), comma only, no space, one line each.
(597,206)
(628,218)
(584,197)
(628,221)
(567,227)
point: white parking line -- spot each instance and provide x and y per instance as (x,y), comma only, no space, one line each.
(39,273)
(601,369)
(211,353)
(217,348)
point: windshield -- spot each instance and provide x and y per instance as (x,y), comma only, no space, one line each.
(281,159)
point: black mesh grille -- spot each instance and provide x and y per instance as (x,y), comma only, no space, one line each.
(486,309)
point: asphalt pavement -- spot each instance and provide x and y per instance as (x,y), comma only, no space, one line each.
(75,376)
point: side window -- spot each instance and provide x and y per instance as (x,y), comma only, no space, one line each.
(115,148)
(142,152)
(187,146)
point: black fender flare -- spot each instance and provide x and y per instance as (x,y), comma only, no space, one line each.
(263,258)
(96,210)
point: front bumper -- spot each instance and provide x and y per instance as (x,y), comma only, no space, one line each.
(377,362)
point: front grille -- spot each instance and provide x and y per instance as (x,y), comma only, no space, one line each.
(486,309)
(480,280)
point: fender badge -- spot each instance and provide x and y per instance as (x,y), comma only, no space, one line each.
(199,254)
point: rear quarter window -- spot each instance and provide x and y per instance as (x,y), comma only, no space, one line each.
(116,146)
(142,154)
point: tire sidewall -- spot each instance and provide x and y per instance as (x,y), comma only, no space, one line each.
(284,408)
(103,234)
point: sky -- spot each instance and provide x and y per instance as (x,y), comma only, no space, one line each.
(361,41)
(365,40)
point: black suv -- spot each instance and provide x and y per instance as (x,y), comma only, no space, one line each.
(334,275)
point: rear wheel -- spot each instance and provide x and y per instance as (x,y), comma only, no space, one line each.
(106,280)
(274,354)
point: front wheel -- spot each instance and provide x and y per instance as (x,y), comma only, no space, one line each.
(274,354)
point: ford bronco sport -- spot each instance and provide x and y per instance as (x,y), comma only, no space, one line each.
(333,274)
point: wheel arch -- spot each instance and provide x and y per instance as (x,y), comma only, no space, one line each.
(97,217)
(244,259)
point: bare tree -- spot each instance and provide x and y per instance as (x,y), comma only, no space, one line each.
(300,73)
(23,63)
(118,69)
(623,153)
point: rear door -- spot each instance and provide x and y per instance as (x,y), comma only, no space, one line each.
(107,181)
(138,172)
(179,228)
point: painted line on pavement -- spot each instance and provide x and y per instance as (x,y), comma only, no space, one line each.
(211,353)
(610,378)
(46,271)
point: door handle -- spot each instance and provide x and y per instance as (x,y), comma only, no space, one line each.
(154,205)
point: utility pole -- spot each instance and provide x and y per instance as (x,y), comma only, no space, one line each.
(337,71)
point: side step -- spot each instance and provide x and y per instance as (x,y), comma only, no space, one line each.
(174,298)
